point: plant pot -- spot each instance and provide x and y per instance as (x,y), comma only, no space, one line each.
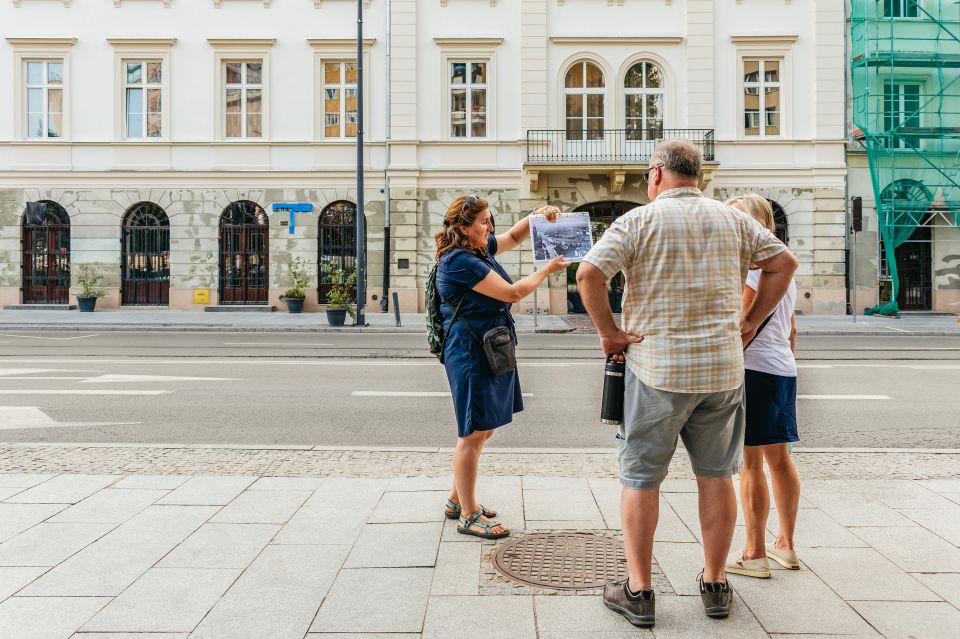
(86,304)
(294,304)
(336,316)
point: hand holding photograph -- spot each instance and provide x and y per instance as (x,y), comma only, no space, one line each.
(569,236)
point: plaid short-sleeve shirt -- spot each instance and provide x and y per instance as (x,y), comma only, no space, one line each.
(684,258)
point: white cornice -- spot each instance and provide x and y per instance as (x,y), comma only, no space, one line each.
(242,43)
(468,42)
(141,43)
(339,43)
(764,39)
(581,40)
(47,43)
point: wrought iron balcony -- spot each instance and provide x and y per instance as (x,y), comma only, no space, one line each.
(607,146)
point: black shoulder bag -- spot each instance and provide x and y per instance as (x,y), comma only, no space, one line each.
(498,344)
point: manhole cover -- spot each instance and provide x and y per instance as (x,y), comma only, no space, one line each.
(571,561)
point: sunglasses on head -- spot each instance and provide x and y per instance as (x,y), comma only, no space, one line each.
(646,174)
(470,201)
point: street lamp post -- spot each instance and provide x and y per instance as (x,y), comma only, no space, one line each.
(361,250)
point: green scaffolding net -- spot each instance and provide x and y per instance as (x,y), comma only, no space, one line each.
(905,66)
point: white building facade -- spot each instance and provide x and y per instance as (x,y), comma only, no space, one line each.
(149,139)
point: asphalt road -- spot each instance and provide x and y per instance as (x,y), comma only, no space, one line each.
(385,390)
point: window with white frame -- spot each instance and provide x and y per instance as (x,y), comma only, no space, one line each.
(901,112)
(900,9)
(762,97)
(243,104)
(340,99)
(44,98)
(584,92)
(644,96)
(468,98)
(143,91)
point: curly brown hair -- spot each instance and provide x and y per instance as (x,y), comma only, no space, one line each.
(463,211)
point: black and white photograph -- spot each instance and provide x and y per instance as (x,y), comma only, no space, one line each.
(569,236)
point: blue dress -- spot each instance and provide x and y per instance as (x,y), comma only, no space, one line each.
(482,401)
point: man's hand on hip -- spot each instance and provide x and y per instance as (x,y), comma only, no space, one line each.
(747,331)
(618,342)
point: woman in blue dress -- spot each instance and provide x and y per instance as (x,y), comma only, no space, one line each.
(468,276)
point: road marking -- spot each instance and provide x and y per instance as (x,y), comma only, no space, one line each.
(900,330)
(17,379)
(16,417)
(292,344)
(115,379)
(918,367)
(34,391)
(859,397)
(63,339)
(408,394)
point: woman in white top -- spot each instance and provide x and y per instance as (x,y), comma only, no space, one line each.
(770,398)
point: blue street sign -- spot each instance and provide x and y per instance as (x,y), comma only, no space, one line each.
(292,208)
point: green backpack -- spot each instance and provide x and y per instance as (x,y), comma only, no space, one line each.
(432,301)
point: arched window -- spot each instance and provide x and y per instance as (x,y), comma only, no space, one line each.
(780,219)
(644,95)
(584,90)
(337,246)
(244,254)
(46,253)
(145,275)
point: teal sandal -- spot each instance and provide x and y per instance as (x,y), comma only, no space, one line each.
(466,522)
(453,511)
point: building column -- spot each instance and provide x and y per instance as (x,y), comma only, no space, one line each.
(700,66)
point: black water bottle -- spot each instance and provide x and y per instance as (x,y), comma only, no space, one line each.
(611,406)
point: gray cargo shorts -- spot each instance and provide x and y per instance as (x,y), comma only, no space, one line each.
(710,424)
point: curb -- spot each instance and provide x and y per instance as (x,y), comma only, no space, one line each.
(231,328)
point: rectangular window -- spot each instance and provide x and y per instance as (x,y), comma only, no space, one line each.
(243,99)
(340,99)
(44,98)
(468,99)
(900,9)
(901,113)
(143,98)
(762,97)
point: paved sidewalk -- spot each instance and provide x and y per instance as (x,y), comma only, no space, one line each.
(166,320)
(238,554)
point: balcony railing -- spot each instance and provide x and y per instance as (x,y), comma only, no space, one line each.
(607,146)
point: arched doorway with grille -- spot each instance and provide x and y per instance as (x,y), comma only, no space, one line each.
(145,265)
(602,215)
(780,220)
(46,253)
(337,246)
(244,254)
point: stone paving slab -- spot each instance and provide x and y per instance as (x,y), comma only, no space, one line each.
(400,594)
(322,545)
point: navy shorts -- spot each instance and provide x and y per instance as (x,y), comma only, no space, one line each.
(771,407)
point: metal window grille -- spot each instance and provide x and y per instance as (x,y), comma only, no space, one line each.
(337,249)
(46,254)
(244,254)
(145,276)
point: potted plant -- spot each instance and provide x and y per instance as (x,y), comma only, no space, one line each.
(90,289)
(340,295)
(294,295)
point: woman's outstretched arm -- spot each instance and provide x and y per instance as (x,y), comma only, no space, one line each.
(500,289)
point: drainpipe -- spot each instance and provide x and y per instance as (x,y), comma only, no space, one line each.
(384,303)
(850,237)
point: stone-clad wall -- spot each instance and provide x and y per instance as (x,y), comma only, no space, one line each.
(96,216)
(815,222)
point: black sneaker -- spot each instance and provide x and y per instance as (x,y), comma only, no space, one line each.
(638,610)
(716,596)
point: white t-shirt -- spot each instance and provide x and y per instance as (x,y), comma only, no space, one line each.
(770,351)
